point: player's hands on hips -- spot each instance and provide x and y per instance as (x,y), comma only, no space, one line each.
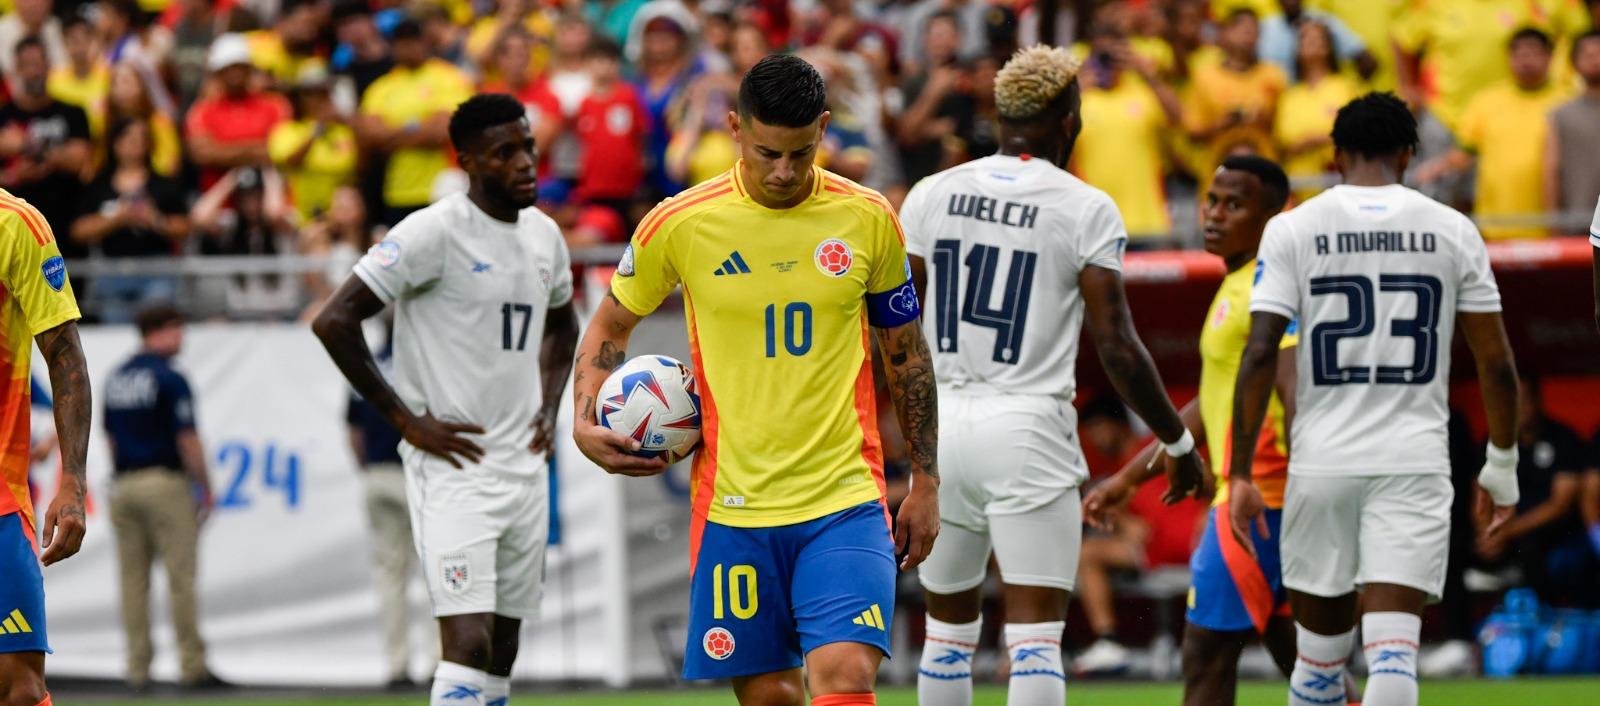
(1105,500)
(63,523)
(1246,507)
(613,451)
(1187,477)
(443,439)
(918,522)
(544,433)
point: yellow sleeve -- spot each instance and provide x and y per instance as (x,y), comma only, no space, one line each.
(1469,129)
(285,138)
(891,268)
(34,272)
(166,150)
(376,98)
(1412,29)
(646,274)
(454,89)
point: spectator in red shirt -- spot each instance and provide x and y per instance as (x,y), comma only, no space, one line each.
(611,128)
(230,127)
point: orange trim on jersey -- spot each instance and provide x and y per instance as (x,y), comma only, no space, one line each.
(866,403)
(703,477)
(817,177)
(669,213)
(738,179)
(657,214)
(1254,591)
(30,218)
(871,197)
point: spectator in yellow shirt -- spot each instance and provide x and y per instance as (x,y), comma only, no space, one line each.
(85,79)
(1232,105)
(316,151)
(1504,130)
(405,115)
(483,40)
(288,48)
(129,99)
(1126,110)
(1305,114)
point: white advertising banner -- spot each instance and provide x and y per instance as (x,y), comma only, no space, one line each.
(285,579)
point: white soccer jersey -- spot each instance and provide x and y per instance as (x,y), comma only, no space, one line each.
(471,294)
(1375,276)
(1004,239)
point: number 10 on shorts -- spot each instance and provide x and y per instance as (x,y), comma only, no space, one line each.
(738,594)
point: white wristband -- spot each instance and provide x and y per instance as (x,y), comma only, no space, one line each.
(1499,475)
(1182,446)
(1496,456)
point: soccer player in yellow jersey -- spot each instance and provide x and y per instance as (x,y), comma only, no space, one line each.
(1233,597)
(36,302)
(785,268)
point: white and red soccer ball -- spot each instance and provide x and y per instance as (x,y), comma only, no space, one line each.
(654,400)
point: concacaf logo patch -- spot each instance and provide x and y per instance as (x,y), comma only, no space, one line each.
(718,643)
(834,258)
(387,253)
(625,267)
(55,272)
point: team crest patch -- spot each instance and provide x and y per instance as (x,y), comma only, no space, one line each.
(834,258)
(1221,317)
(55,272)
(387,253)
(455,573)
(625,266)
(718,643)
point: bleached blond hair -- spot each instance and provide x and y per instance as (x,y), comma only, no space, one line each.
(1033,78)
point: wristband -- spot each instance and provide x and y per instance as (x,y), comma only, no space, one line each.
(1499,475)
(1182,446)
(1496,456)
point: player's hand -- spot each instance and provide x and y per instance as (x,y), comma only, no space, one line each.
(443,439)
(1187,477)
(1490,517)
(613,451)
(63,523)
(544,433)
(1105,501)
(918,522)
(1246,507)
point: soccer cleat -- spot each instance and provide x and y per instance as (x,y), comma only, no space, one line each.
(1452,659)
(1102,657)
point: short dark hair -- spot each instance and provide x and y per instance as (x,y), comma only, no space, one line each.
(782,90)
(1274,183)
(1240,13)
(407,28)
(75,20)
(1592,35)
(30,42)
(950,15)
(1375,125)
(347,9)
(156,317)
(601,45)
(1531,34)
(480,113)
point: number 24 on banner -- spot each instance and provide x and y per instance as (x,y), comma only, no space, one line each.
(279,469)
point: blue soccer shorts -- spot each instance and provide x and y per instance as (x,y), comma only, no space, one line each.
(763,597)
(1230,591)
(21,589)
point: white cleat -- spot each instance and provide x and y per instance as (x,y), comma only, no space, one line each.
(1103,657)
(1455,658)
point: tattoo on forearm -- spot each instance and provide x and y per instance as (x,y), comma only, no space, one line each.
(911,387)
(609,357)
(69,382)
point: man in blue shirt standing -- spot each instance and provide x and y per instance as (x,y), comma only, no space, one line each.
(161,493)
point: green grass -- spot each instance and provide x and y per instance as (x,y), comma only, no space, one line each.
(1522,692)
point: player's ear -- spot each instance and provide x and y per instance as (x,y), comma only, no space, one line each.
(1404,160)
(733,124)
(822,125)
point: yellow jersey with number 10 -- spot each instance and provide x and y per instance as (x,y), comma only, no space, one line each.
(776,302)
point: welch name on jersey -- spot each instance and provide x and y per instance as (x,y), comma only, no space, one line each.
(988,210)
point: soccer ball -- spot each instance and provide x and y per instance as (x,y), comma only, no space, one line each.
(653,399)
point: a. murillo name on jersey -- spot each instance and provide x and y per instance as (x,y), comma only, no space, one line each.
(983,208)
(1378,241)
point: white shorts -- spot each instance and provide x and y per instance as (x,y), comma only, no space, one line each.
(1009,470)
(1341,533)
(481,537)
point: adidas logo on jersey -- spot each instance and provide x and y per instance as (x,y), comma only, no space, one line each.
(15,624)
(871,617)
(734,265)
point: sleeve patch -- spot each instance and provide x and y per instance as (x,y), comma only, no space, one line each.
(386,253)
(55,272)
(894,308)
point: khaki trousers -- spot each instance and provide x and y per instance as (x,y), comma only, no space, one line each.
(394,558)
(153,515)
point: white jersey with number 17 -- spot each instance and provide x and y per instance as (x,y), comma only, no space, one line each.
(1005,239)
(1375,276)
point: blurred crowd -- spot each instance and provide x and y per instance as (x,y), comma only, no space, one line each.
(149,128)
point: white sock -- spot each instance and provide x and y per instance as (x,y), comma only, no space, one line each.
(944,675)
(1037,676)
(1318,677)
(457,685)
(496,690)
(1389,641)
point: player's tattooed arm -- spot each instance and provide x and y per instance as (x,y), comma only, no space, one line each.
(604,347)
(69,382)
(911,387)
(338,326)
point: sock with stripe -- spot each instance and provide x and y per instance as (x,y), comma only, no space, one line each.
(457,685)
(496,690)
(1037,675)
(944,676)
(1318,677)
(1389,640)
(867,699)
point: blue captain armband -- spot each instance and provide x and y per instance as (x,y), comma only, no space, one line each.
(894,308)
